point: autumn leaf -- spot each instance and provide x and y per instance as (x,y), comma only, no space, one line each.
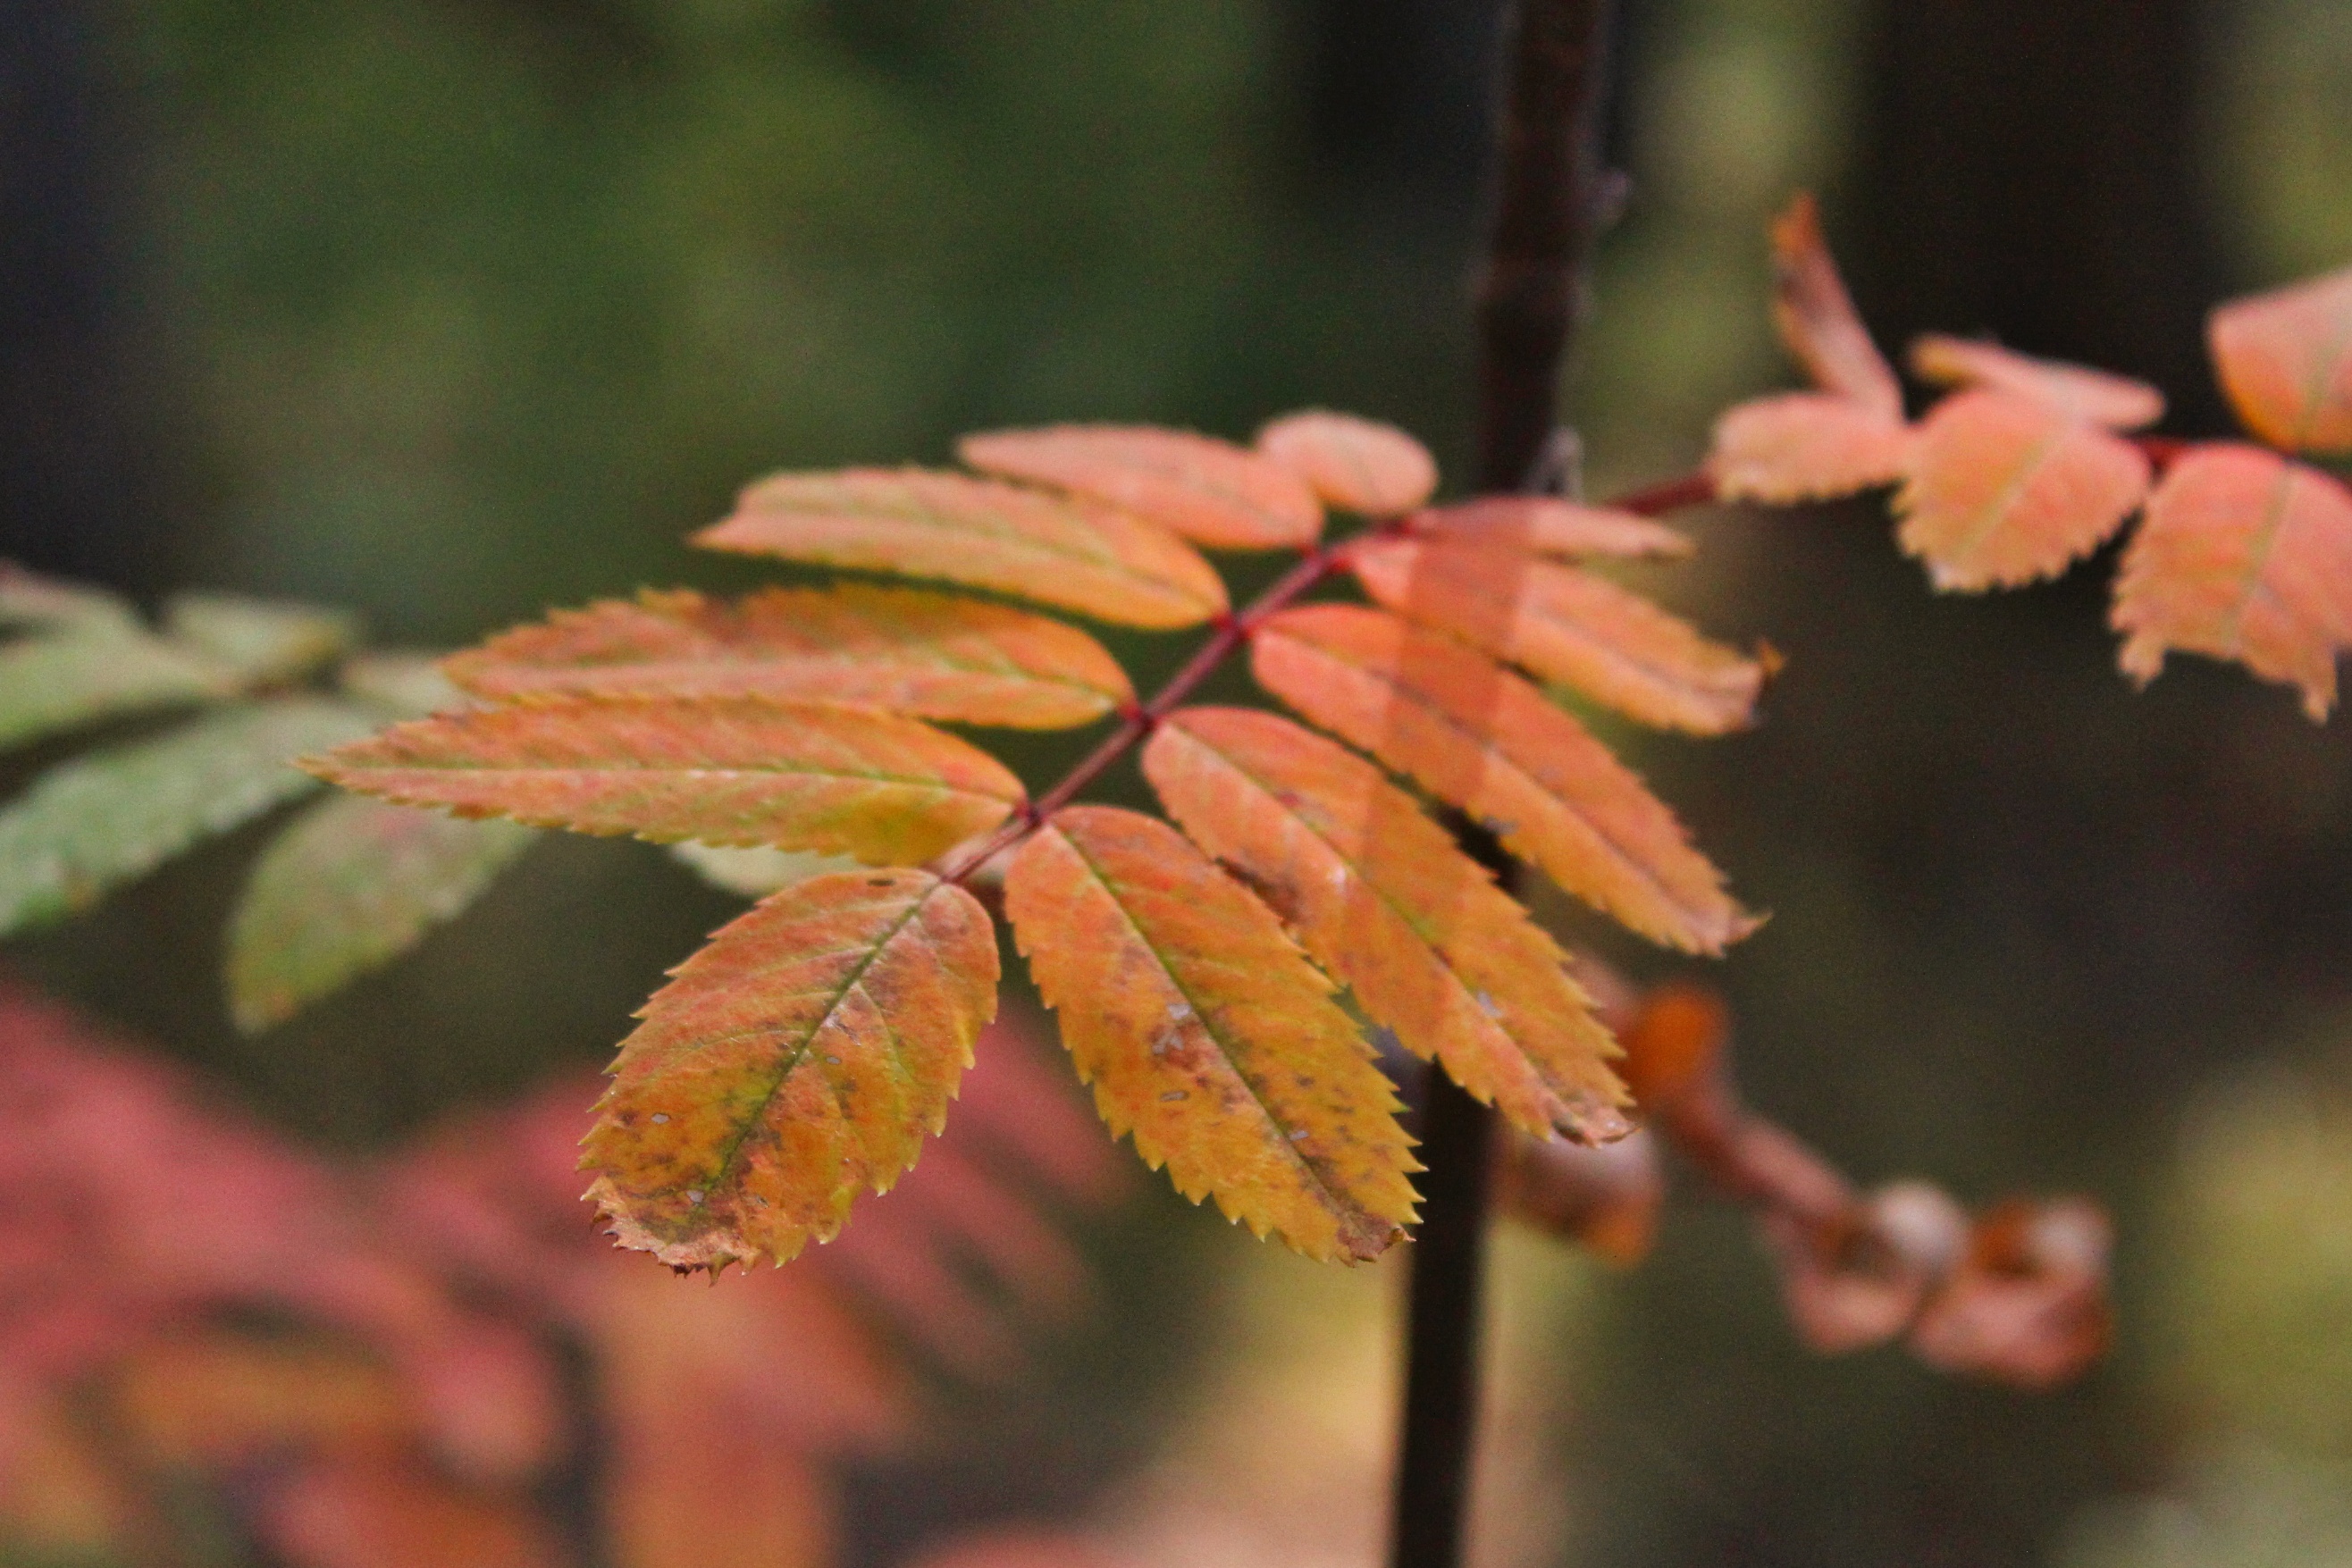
(2246,556)
(2002,489)
(1477,736)
(796,1061)
(348,887)
(2095,397)
(1384,899)
(2286,359)
(1804,447)
(1546,525)
(726,771)
(115,814)
(1080,555)
(1568,626)
(1211,491)
(1359,466)
(1208,1035)
(928,655)
(1816,318)
(754,870)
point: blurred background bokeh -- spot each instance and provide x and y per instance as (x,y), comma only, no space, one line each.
(450,309)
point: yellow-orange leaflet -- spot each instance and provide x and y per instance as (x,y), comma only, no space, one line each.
(1545,525)
(2246,556)
(2285,359)
(2000,489)
(1356,465)
(726,770)
(1568,626)
(2117,402)
(1804,447)
(1208,1035)
(1054,550)
(1479,737)
(1817,319)
(1212,491)
(929,655)
(1384,899)
(796,1061)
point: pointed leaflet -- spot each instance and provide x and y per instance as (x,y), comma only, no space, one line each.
(93,670)
(1211,491)
(1356,465)
(1568,626)
(726,771)
(2001,490)
(1077,554)
(115,814)
(265,640)
(754,870)
(348,887)
(28,599)
(2117,402)
(2285,359)
(928,655)
(1804,447)
(1207,1035)
(2246,556)
(793,1063)
(1385,901)
(1479,737)
(1817,319)
(1545,525)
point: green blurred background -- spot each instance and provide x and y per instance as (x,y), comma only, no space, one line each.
(450,309)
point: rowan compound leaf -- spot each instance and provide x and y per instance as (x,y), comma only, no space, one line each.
(1208,1035)
(91,671)
(1479,737)
(1211,491)
(2002,489)
(1054,550)
(1545,525)
(265,640)
(2245,556)
(928,655)
(112,815)
(1804,447)
(2095,397)
(1817,319)
(796,1061)
(1568,626)
(726,770)
(350,886)
(1359,466)
(2285,359)
(1384,899)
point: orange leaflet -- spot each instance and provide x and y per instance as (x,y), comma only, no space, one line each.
(1546,525)
(1817,319)
(1804,447)
(2119,402)
(1568,626)
(1381,897)
(1211,491)
(928,655)
(796,1061)
(1055,549)
(2002,489)
(2285,359)
(1208,1035)
(1479,737)
(726,770)
(1356,465)
(2244,556)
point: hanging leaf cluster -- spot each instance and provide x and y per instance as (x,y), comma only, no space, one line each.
(2244,549)
(1220,975)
